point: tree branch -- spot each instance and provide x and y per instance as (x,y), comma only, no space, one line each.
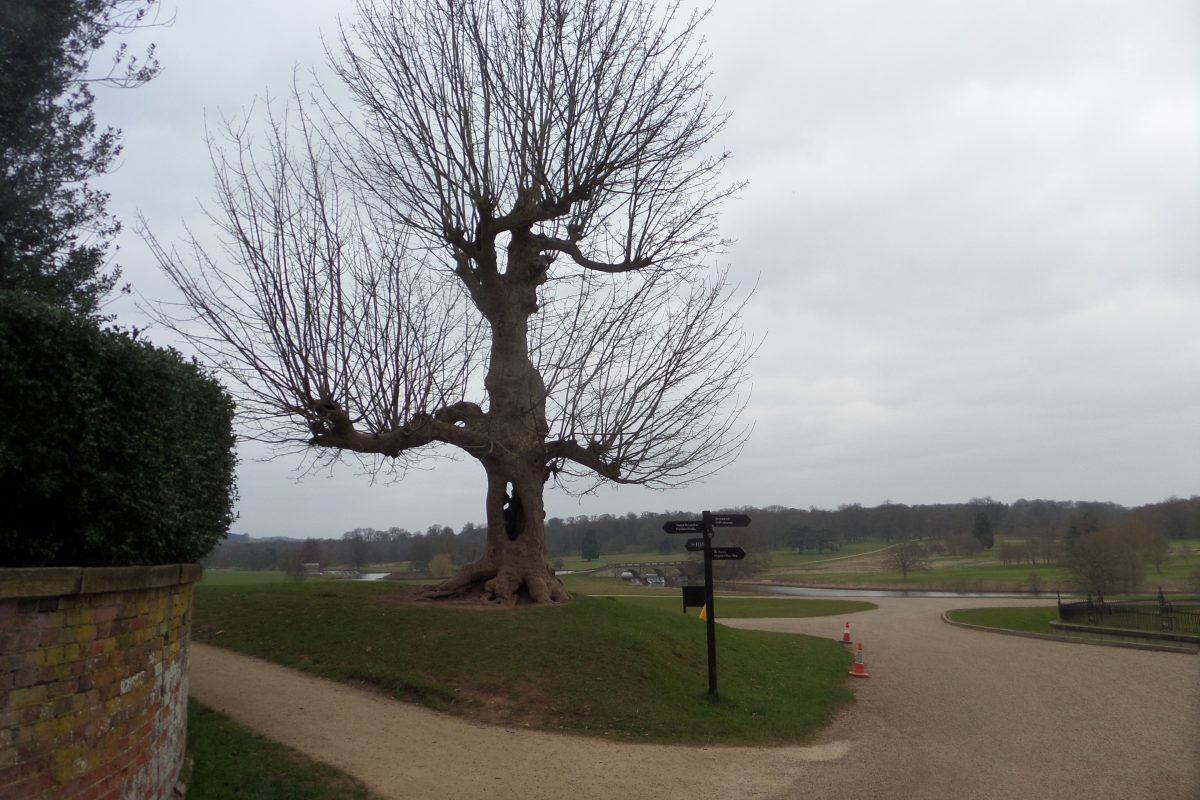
(571,249)
(455,425)
(571,450)
(586,122)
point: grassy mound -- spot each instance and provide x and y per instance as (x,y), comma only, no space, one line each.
(596,666)
(1035,619)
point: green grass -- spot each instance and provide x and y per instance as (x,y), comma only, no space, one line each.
(1175,570)
(1029,620)
(417,581)
(736,606)
(729,604)
(977,575)
(962,576)
(242,577)
(1037,620)
(596,666)
(982,572)
(789,559)
(232,762)
(779,558)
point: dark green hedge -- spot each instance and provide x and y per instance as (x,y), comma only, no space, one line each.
(112,451)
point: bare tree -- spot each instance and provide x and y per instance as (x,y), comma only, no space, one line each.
(906,557)
(1107,560)
(501,251)
(358,548)
(1152,546)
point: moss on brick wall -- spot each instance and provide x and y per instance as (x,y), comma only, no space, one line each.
(93,681)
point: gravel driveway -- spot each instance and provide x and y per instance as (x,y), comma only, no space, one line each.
(947,713)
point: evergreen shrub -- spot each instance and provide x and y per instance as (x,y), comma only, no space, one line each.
(113,452)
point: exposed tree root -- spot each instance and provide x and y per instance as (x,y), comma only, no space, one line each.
(507,585)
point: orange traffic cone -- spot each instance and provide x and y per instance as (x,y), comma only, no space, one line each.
(846,635)
(860,669)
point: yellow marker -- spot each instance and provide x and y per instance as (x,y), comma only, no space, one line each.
(704,611)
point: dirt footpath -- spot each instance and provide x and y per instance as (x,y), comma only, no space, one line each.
(956,713)
(946,713)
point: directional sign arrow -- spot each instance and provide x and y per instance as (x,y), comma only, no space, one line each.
(728,554)
(695,545)
(684,526)
(730,520)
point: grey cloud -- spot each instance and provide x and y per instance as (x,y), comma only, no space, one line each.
(973,227)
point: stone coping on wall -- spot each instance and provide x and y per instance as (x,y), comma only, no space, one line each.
(32,582)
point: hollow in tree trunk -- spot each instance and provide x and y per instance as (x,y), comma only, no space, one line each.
(513,567)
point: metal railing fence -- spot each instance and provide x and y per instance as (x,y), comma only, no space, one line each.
(1149,615)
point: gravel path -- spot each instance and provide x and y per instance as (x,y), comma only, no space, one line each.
(946,713)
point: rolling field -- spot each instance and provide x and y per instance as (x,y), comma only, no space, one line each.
(860,564)
(983,572)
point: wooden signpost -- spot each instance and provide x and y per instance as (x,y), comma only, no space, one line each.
(705,526)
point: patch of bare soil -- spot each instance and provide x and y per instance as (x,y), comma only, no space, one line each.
(522,705)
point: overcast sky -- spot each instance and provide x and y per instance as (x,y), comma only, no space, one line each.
(973,224)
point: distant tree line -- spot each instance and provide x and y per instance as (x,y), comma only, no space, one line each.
(1043,526)
(357,548)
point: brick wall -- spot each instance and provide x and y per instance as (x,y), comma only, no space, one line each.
(93,681)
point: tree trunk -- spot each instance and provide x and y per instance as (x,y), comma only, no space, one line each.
(514,565)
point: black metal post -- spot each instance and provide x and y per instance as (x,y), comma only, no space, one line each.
(708,599)
(1165,622)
